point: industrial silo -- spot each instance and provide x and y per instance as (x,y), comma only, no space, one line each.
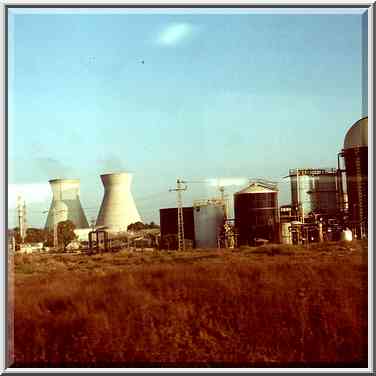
(302,182)
(256,213)
(118,209)
(209,216)
(314,190)
(324,197)
(169,226)
(66,203)
(355,153)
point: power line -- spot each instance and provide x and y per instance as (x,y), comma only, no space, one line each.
(21,210)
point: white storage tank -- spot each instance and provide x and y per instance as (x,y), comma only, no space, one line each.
(286,237)
(314,190)
(209,218)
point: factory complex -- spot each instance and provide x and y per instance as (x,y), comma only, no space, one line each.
(327,204)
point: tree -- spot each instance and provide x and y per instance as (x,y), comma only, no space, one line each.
(137,226)
(49,240)
(152,225)
(35,235)
(65,233)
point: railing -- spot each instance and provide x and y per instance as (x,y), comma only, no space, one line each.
(313,171)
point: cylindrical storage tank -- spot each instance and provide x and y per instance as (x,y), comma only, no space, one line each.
(208,221)
(169,226)
(301,184)
(286,237)
(66,202)
(118,209)
(324,196)
(355,153)
(256,214)
(314,189)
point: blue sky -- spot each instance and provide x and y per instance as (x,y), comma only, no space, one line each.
(218,96)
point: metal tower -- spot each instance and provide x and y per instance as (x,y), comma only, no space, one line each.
(180,187)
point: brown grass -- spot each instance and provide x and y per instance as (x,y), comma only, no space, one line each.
(253,307)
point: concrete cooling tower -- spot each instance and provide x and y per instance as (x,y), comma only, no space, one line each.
(118,209)
(66,203)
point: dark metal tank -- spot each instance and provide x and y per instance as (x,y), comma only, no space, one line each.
(355,154)
(257,214)
(169,225)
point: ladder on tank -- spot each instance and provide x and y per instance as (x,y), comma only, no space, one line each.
(359,189)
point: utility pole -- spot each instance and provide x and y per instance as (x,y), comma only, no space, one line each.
(55,229)
(180,187)
(13,244)
(21,209)
(24,218)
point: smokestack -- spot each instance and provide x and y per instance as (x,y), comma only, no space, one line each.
(118,209)
(66,203)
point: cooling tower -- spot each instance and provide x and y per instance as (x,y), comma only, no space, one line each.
(118,209)
(66,203)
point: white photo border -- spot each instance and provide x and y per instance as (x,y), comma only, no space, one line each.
(369,8)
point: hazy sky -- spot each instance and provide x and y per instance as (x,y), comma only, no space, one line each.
(166,95)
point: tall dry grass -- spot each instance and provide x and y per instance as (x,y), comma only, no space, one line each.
(225,309)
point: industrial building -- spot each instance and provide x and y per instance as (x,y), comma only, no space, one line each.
(315,206)
(355,154)
(66,204)
(118,209)
(327,206)
(324,205)
(257,213)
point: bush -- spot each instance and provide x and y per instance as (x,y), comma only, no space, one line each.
(233,310)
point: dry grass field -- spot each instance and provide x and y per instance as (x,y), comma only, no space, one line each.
(272,306)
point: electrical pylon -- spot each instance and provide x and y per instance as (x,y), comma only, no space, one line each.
(180,187)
